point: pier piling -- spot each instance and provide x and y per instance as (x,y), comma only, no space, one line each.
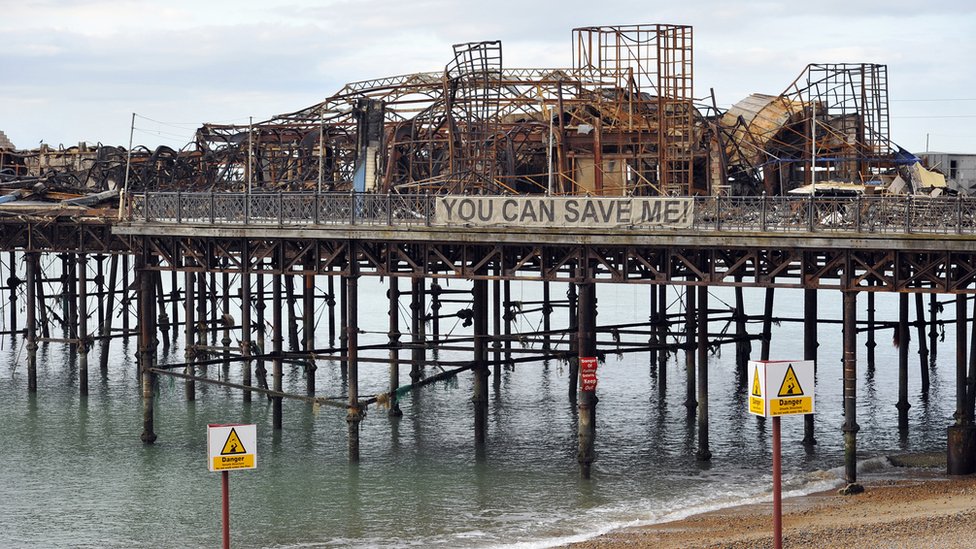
(850,427)
(810,345)
(354,412)
(703,453)
(586,340)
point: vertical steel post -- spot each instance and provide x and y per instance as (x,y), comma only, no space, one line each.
(82,330)
(190,328)
(12,283)
(850,427)
(923,350)
(546,300)
(225,507)
(417,352)
(174,296)
(809,353)
(574,351)
(225,309)
(903,337)
(496,327)
(260,370)
(933,327)
(777,486)
(343,328)
(508,317)
(480,390)
(331,302)
(308,329)
(703,454)
(354,413)
(960,415)
(246,321)
(106,326)
(767,326)
(33,265)
(126,298)
(870,344)
(394,311)
(144,303)
(276,336)
(743,346)
(691,401)
(586,337)
(961,436)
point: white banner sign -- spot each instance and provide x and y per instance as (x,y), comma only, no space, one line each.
(565,212)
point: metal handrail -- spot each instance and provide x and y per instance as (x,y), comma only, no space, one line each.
(767,214)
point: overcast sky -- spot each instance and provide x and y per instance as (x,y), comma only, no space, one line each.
(76,70)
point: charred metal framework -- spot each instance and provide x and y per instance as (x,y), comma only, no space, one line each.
(621,121)
(830,124)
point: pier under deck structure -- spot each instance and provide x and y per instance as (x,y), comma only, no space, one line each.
(856,246)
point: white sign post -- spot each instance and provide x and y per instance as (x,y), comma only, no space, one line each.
(780,388)
(230,447)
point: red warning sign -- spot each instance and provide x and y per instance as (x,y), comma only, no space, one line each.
(588,373)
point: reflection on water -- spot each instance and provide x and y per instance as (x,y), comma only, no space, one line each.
(75,473)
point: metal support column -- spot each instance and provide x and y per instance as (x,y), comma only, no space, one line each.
(480,391)
(394,311)
(33,266)
(850,427)
(691,401)
(190,327)
(572,296)
(703,453)
(418,353)
(105,328)
(903,337)
(82,268)
(809,353)
(961,443)
(246,322)
(145,303)
(276,339)
(354,411)
(586,338)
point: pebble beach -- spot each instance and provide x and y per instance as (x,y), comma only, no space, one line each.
(928,509)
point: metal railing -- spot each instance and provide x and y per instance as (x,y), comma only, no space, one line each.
(884,214)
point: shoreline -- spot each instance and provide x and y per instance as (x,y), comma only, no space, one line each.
(921,508)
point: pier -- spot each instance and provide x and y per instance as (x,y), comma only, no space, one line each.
(571,179)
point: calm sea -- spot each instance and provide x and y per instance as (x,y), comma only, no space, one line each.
(73,472)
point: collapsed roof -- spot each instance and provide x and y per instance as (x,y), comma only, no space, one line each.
(621,120)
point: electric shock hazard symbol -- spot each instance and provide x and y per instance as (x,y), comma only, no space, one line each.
(231,447)
(795,383)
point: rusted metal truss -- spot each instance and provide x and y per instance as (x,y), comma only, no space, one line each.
(61,236)
(860,270)
(621,120)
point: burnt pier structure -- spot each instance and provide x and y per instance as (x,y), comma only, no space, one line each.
(606,171)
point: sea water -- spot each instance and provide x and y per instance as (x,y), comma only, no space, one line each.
(73,472)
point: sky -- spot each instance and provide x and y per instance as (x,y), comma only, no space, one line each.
(77,70)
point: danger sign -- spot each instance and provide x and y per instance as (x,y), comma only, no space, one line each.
(781,387)
(588,373)
(231,447)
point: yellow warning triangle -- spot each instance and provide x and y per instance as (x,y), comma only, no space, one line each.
(791,385)
(233,445)
(756,388)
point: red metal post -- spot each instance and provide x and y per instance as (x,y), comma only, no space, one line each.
(777,488)
(225,506)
